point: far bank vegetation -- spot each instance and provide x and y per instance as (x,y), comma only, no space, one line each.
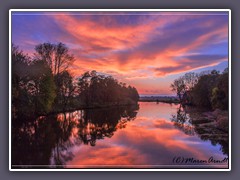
(42,84)
(206,89)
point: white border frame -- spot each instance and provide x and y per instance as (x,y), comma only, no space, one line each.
(119,10)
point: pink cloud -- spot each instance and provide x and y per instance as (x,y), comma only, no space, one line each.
(134,47)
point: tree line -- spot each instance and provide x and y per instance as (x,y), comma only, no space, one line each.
(207,89)
(42,83)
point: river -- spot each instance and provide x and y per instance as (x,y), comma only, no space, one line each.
(151,135)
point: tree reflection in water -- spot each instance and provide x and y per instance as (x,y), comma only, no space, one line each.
(100,123)
(192,121)
(47,140)
(182,121)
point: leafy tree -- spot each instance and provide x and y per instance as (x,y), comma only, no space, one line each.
(33,88)
(83,87)
(40,87)
(97,89)
(58,59)
(133,93)
(19,77)
(219,97)
(65,90)
(206,89)
(42,83)
(201,93)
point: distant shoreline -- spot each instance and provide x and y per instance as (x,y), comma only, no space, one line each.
(159,98)
(157,95)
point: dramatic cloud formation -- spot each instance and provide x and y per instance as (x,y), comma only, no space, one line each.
(135,47)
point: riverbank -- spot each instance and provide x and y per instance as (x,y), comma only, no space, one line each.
(213,126)
(93,106)
(219,118)
(208,125)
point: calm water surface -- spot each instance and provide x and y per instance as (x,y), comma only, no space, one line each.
(149,136)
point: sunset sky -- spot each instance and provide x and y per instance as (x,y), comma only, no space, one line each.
(147,50)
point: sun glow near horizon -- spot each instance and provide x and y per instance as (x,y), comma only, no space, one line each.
(145,50)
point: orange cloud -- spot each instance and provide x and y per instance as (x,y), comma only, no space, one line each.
(133,46)
(111,38)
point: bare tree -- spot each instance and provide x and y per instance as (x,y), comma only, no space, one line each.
(56,55)
(179,87)
(184,84)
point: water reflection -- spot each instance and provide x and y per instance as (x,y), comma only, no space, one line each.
(182,121)
(150,141)
(97,124)
(47,140)
(193,121)
(34,141)
(149,136)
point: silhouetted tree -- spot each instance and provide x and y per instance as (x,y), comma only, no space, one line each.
(97,89)
(184,84)
(56,55)
(65,90)
(179,87)
(206,89)
(202,91)
(58,58)
(33,86)
(219,98)
(40,80)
